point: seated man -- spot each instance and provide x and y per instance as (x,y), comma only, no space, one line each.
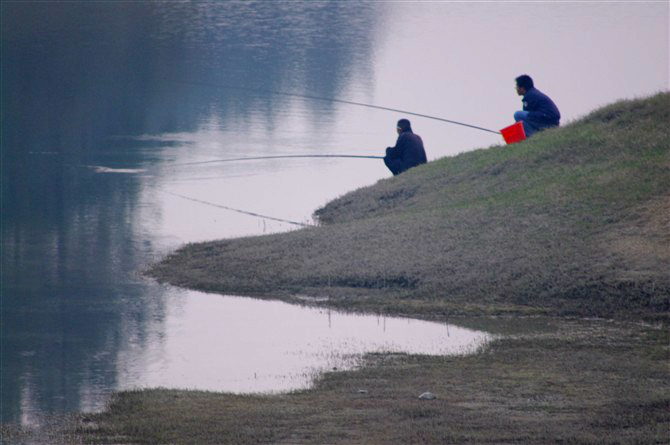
(408,151)
(539,111)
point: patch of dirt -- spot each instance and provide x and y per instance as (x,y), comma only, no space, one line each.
(644,244)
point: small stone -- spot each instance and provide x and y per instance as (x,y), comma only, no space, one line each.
(362,391)
(427,396)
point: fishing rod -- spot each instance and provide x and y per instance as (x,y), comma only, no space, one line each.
(255,158)
(330,99)
(244,212)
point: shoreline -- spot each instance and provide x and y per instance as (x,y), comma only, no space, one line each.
(563,229)
(568,223)
(574,381)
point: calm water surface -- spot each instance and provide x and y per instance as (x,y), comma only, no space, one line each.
(105,105)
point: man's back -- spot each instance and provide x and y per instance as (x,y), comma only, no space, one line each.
(543,111)
(414,153)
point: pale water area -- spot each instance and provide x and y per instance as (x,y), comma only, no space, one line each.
(109,108)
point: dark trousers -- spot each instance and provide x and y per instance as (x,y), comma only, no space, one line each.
(529,128)
(395,165)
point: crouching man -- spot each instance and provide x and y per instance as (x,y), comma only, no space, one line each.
(539,111)
(408,151)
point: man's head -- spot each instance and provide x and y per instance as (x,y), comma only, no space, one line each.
(523,84)
(404,125)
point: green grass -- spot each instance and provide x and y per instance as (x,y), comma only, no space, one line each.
(547,226)
(534,239)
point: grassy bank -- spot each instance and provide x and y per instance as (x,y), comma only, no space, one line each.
(572,222)
(572,382)
(570,225)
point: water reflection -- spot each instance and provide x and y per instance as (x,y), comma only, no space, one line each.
(81,83)
(102,100)
(239,344)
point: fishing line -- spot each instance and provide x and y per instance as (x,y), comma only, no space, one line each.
(255,158)
(329,99)
(244,212)
(304,96)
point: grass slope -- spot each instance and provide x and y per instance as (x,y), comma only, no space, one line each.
(571,222)
(574,221)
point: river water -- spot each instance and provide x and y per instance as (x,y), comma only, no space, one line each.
(110,108)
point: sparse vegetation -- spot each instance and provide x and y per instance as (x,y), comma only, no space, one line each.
(571,382)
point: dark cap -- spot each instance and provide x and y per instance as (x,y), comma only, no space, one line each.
(404,125)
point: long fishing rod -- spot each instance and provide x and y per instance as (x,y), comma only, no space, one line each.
(244,212)
(255,158)
(330,99)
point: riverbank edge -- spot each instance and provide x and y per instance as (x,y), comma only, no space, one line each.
(578,379)
(568,223)
(571,373)
(565,381)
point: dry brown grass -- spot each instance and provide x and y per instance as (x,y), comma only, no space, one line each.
(643,241)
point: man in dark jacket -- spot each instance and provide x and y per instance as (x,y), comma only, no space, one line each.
(539,111)
(408,151)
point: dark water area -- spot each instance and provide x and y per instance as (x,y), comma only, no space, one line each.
(103,101)
(79,80)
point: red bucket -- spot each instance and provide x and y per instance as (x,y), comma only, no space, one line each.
(513,133)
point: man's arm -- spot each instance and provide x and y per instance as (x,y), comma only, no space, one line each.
(395,152)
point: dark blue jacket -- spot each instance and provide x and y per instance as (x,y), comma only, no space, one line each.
(407,153)
(542,111)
